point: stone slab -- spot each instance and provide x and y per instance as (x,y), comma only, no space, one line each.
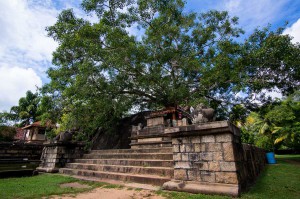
(202,187)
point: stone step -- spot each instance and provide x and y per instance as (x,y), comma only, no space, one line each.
(152,156)
(160,171)
(143,150)
(145,179)
(146,145)
(129,162)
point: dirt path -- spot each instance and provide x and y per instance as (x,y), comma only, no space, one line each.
(104,193)
(291,161)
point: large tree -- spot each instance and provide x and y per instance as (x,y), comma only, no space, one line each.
(103,70)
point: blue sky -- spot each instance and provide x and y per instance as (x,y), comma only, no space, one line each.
(26,51)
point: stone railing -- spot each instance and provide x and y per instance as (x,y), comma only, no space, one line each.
(209,158)
(16,150)
(56,155)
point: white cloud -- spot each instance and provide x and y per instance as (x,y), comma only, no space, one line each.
(23,30)
(294,31)
(25,50)
(15,81)
(255,13)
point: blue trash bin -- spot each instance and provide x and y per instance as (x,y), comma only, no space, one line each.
(271,158)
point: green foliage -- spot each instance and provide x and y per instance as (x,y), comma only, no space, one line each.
(26,112)
(276,124)
(7,133)
(103,71)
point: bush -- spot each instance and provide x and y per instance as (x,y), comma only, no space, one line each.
(7,133)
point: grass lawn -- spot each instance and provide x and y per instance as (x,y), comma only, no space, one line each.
(277,182)
(39,186)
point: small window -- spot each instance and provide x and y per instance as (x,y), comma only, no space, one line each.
(41,131)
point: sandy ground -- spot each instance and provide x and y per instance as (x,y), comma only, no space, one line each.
(105,193)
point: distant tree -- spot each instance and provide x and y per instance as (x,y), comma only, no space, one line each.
(276,125)
(26,112)
(103,71)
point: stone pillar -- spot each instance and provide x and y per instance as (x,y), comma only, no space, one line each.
(205,158)
(56,155)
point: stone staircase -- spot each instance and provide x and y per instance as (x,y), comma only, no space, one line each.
(147,166)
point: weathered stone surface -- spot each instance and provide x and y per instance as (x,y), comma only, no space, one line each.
(226,177)
(177,157)
(180,174)
(176,148)
(203,166)
(193,157)
(186,140)
(224,138)
(203,187)
(228,166)
(176,141)
(217,156)
(182,148)
(206,156)
(208,138)
(182,165)
(189,148)
(207,176)
(195,139)
(228,151)
(185,157)
(214,166)
(214,147)
(192,174)
(155,121)
(197,147)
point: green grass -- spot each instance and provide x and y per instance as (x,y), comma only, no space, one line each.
(39,186)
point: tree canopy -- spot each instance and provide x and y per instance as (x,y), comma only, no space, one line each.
(26,112)
(177,58)
(276,125)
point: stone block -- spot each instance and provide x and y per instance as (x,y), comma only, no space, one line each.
(189,148)
(197,147)
(176,148)
(208,138)
(182,165)
(185,157)
(217,156)
(214,166)
(227,177)
(206,156)
(176,141)
(228,166)
(155,121)
(182,148)
(180,174)
(228,151)
(202,166)
(224,138)
(195,139)
(214,147)
(192,175)
(206,176)
(186,140)
(177,156)
(193,157)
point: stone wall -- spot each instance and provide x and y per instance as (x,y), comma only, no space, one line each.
(15,150)
(56,155)
(209,158)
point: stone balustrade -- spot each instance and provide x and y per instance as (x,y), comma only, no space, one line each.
(209,158)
